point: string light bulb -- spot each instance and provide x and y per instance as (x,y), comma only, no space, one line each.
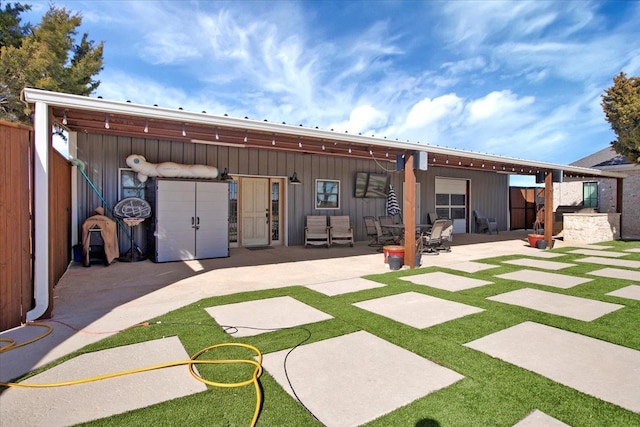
(64,118)
(106,122)
(146,126)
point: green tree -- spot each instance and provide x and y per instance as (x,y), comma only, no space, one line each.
(11,30)
(621,105)
(49,59)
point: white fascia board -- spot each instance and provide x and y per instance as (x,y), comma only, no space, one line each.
(65,100)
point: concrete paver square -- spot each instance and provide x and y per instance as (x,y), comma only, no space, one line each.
(270,313)
(562,305)
(613,262)
(416,309)
(445,281)
(539,419)
(631,292)
(606,371)
(591,246)
(470,266)
(352,379)
(537,263)
(616,273)
(99,399)
(346,286)
(543,253)
(635,250)
(556,280)
(590,252)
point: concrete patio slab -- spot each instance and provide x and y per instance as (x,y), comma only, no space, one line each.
(613,262)
(338,287)
(445,281)
(590,246)
(556,280)
(616,273)
(606,371)
(591,252)
(543,253)
(417,310)
(630,292)
(537,263)
(540,419)
(562,305)
(471,266)
(352,379)
(265,314)
(91,401)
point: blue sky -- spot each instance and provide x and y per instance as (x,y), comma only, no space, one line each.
(520,79)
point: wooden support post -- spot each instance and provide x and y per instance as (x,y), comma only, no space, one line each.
(548,209)
(409,207)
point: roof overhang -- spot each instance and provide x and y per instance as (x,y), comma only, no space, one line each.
(96,115)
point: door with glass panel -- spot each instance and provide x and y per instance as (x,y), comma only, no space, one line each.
(451,202)
(261,211)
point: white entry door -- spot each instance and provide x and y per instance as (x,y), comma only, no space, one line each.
(255,211)
(451,202)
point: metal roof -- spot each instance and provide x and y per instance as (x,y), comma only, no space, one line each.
(96,115)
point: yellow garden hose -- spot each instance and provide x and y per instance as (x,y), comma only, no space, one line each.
(191,362)
(11,344)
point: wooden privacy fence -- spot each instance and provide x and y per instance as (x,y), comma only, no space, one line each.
(16,157)
(522,206)
(16,228)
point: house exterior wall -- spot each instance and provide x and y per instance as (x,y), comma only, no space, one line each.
(631,206)
(569,192)
(488,193)
(104,155)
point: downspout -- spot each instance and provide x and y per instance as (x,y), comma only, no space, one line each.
(73,154)
(42,133)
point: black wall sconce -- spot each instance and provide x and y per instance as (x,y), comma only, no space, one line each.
(224,176)
(293,179)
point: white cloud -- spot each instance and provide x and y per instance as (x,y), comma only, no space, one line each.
(364,118)
(511,78)
(497,105)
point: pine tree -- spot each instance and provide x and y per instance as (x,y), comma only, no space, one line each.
(49,59)
(621,105)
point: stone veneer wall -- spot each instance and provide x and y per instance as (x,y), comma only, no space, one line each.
(591,227)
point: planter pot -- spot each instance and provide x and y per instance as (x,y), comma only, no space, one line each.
(395,262)
(534,239)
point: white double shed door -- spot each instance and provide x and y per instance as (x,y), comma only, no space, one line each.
(191,220)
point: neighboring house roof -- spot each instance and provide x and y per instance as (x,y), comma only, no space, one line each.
(95,115)
(605,159)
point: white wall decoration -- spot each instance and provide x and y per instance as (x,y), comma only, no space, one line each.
(146,169)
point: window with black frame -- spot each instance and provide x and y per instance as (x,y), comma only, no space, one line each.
(130,186)
(327,194)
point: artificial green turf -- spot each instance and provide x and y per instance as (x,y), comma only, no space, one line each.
(493,392)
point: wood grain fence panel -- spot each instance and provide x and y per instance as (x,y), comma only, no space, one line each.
(59,219)
(16,292)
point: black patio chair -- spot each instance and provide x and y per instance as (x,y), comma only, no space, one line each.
(485,224)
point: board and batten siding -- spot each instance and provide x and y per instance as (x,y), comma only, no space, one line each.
(104,155)
(488,192)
